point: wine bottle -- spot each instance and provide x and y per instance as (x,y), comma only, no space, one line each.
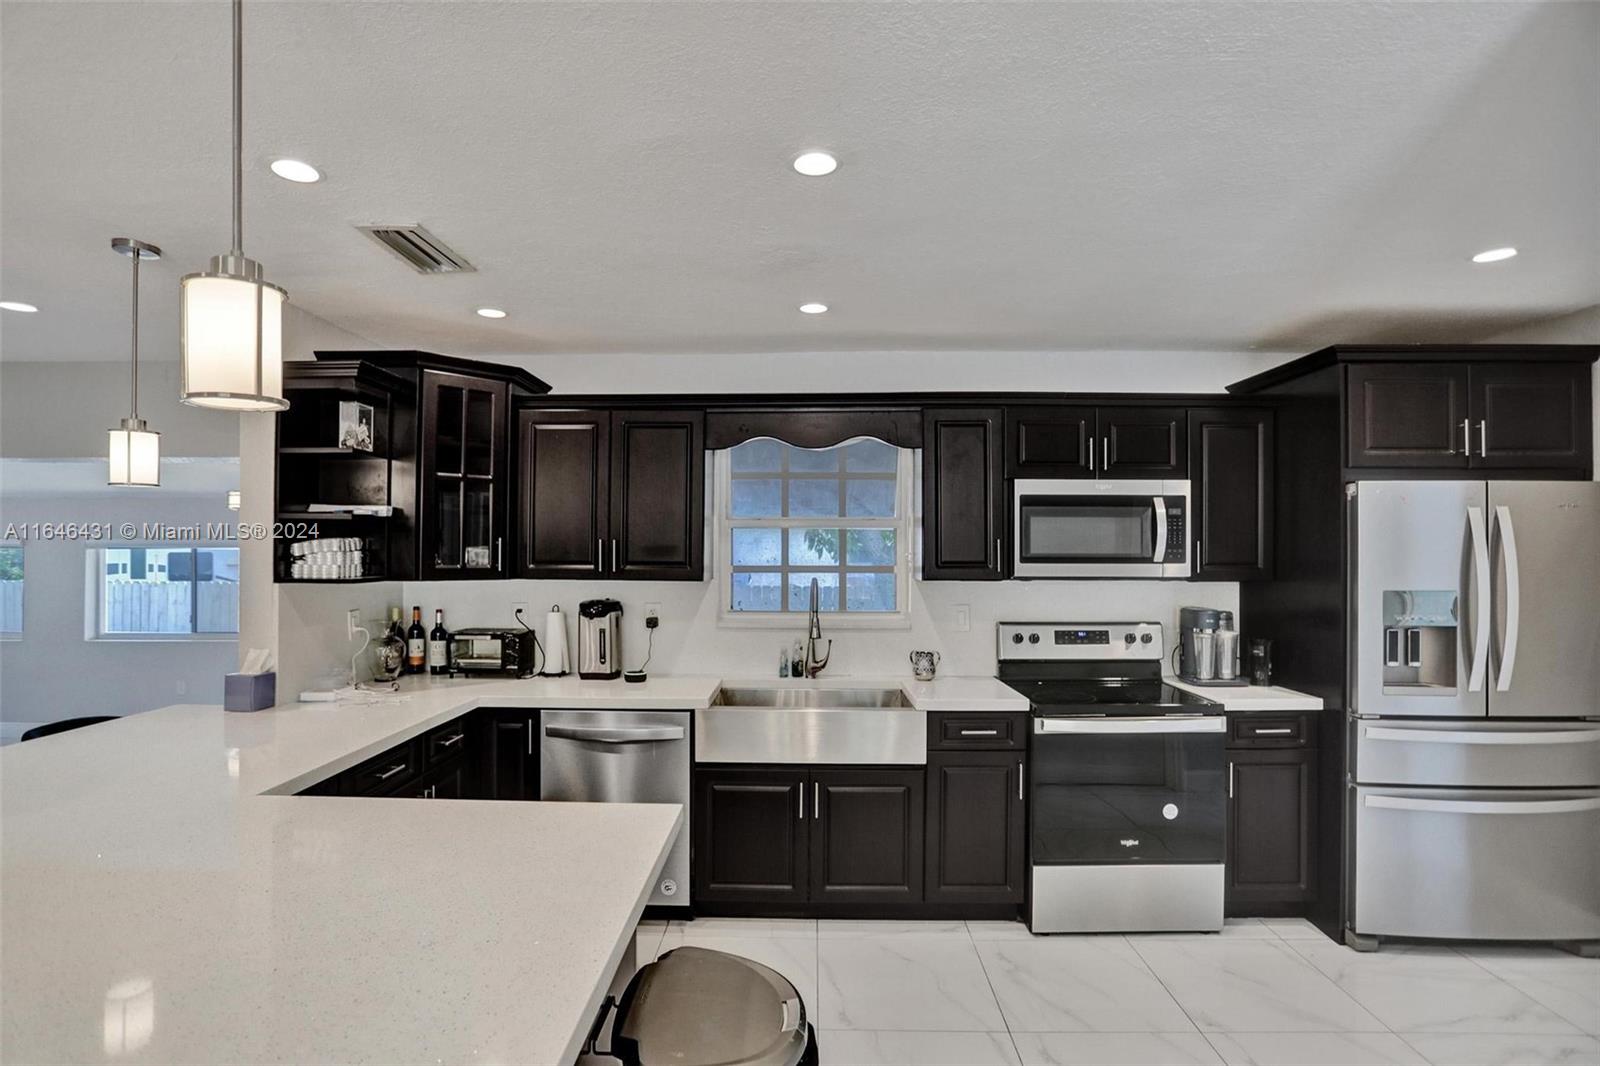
(438,645)
(416,643)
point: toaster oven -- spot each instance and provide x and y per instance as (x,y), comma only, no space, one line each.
(489,650)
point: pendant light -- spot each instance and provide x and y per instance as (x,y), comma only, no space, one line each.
(135,451)
(232,339)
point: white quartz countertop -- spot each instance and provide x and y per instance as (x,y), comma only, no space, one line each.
(1252,697)
(159,909)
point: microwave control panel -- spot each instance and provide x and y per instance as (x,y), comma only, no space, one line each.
(1177,529)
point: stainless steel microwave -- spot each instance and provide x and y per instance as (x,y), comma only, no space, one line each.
(1067,528)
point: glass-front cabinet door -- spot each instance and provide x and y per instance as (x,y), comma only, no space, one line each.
(464,476)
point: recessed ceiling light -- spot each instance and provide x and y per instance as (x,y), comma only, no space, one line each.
(813,309)
(17,305)
(815,164)
(294,170)
(1494,255)
(491,312)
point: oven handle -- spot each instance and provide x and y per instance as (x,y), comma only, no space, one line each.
(1161,528)
(1446,806)
(1158,724)
(646,735)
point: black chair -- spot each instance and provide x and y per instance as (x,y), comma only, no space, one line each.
(65,724)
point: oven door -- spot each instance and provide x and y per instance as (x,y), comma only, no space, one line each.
(1128,790)
(1100,529)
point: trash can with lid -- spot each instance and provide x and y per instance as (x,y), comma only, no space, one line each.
(698,1007)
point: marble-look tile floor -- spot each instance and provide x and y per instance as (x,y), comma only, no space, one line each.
(1269,992)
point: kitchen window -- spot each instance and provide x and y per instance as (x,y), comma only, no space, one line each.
(10,591)
(165,593)
(787,515)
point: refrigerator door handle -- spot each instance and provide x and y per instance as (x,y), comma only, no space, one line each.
(1447,806)
(1480,636)
(1508,555)
(1466,736)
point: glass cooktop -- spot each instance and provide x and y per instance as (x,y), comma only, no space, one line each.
(1109,697)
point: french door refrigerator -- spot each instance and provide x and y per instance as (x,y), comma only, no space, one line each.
(1475,711)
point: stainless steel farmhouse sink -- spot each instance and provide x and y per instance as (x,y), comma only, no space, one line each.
(812,698)
(806,724)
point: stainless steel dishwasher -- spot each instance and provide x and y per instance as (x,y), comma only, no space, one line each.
(622,757)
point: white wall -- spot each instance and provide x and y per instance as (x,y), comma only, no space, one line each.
(1580,327)
(62,410)
(51,671)
(824,372)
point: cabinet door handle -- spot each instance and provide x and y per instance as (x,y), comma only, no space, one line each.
(530,736)
(384,775)
(1483,439)
(1194,564)
(497,553)
(600,555)
(800,794)
(997,553)
(1466,436)
(816,800)
(1022,770)
(1230,779)
(1105,455)
(613,555)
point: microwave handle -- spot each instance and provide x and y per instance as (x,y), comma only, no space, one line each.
(1161,528)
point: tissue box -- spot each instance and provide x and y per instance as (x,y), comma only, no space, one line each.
(249,692)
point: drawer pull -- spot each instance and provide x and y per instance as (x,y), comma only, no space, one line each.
(1275,731)
(452,741)
(384,775)
(980,732)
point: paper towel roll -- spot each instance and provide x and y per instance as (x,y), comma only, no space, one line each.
(555,643)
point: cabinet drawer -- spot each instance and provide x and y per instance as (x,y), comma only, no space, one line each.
(390,772)
(957,731)
(1266,730)
(447,741)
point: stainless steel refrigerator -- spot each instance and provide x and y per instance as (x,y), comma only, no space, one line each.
(1475,711)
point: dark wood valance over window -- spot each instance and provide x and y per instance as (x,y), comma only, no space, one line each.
(816,427)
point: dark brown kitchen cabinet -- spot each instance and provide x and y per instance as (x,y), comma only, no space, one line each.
(658,495)
(1531,416)
(1271,853)
(975,833)
(866,836)
(1143,442)
(751,840)
(1404,415)
(565,477)
(505,755)
(464,485)
(963,494)
(1045,442)
(1231,472)
(611,494)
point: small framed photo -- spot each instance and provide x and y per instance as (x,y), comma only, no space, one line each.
(355,426)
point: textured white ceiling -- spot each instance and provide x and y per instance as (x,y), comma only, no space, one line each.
(1013,176)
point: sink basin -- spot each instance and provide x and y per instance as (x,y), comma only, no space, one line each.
(811,698)
(803,724)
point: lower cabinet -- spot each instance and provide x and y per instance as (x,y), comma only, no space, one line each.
(505,763)
(976,821)
(1271,856)
(792,836)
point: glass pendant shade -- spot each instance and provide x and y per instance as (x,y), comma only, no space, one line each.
(135,454)
(232,342)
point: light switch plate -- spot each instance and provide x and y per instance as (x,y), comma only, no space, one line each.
(963,617)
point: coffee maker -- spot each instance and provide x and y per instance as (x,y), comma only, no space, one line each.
(600,640)
(1208,647)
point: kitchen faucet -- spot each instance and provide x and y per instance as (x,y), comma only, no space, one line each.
(814,665)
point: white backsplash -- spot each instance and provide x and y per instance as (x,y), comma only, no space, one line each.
(690,639)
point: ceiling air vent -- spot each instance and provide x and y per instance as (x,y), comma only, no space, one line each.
(426,253)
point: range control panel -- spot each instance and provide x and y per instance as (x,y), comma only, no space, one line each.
(1069,641)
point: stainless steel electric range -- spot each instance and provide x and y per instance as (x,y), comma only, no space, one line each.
(1127,775)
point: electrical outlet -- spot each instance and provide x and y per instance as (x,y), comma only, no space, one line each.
(652,610)
(523,607)
(183,688)
(963,617)
(352,622)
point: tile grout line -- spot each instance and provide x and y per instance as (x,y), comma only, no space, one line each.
(998,1006)
(1170,995)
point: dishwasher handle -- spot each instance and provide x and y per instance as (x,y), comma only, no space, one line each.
(600,735)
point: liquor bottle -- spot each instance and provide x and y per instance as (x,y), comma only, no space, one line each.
(438,645)
(416,643)
(392,652)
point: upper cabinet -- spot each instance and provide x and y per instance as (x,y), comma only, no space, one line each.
(1231,472)
(611,494)
(1096,442)
(1405,415)
(1535,416)
(963,494)
(463,483)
